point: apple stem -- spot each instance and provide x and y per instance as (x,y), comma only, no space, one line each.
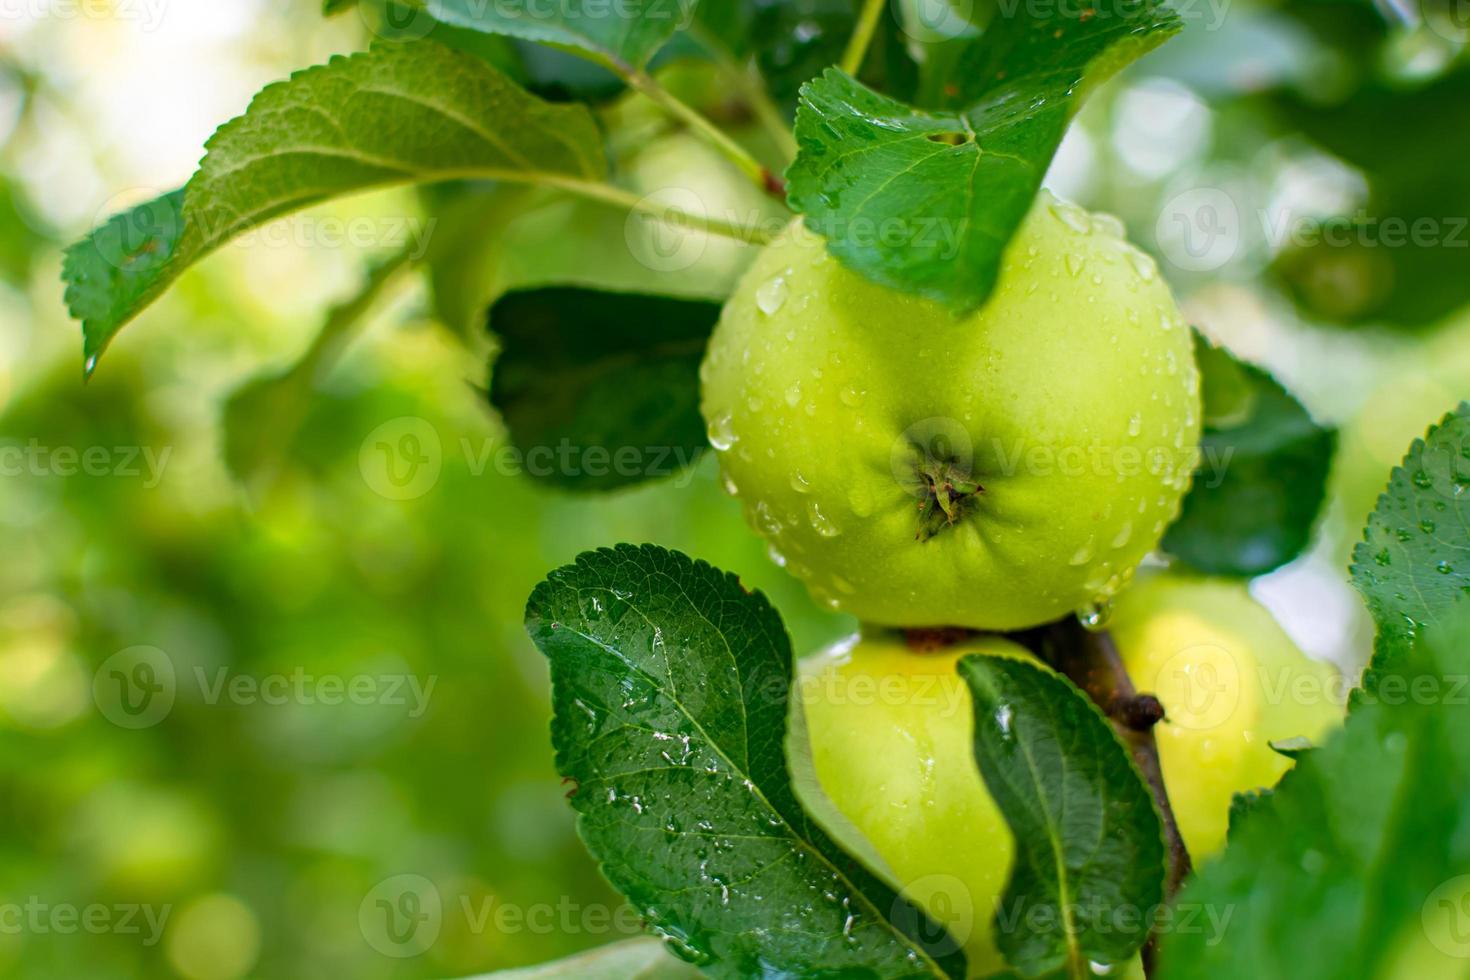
(1089,658)
(758,173)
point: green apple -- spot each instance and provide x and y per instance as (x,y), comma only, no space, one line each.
(1231,682)
(882,741)
(995,471)
(889,736)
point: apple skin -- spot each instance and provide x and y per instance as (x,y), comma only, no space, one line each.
(1231,682)
(891,742)
(1072,398)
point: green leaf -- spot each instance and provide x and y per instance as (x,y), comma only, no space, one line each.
(1262,476)
(1413,564)
(1089,844)
(796,41)
(1360,857)
(605,384)
(624,34)
(395,114)
(644,959)
(670,686)
(926,201)
(1242,805)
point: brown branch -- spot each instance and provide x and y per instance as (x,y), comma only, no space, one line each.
(1090,659)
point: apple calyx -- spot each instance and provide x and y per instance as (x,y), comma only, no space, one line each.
(947,494)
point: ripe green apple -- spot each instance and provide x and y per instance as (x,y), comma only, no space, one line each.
(889,737)
(995,471)
(1231,682)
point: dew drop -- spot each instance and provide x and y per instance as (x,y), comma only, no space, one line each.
(1144,265)
(1095,615)
(1072,216)
(722,432)
(1124,534)
(1075,264)
(799,483)
(1135,424)
(820,522)
(771,295)
(853,397)
(793,395)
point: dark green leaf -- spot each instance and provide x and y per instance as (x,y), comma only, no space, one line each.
(643,959)
(624,34)
(1089,844)
(926,202)
(1262,476)
(1361,857)
(1242,805)
(399,113)
(604,384)
(1413,564)
(670,688)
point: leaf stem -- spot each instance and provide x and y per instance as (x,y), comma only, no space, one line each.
(862,36)
(761,175)
(753,87)
(1090,660)
(750,233)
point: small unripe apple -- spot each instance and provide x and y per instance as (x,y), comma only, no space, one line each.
(890,738)
(1231,682)
(888,735)
(996,470)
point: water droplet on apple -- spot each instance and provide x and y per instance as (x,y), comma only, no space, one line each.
(1124,533)
(1072,216)
(820,522)
(1095,615)
(771,295)
(722,432)
(1145,266)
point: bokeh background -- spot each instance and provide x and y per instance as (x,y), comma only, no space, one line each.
(242,830)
